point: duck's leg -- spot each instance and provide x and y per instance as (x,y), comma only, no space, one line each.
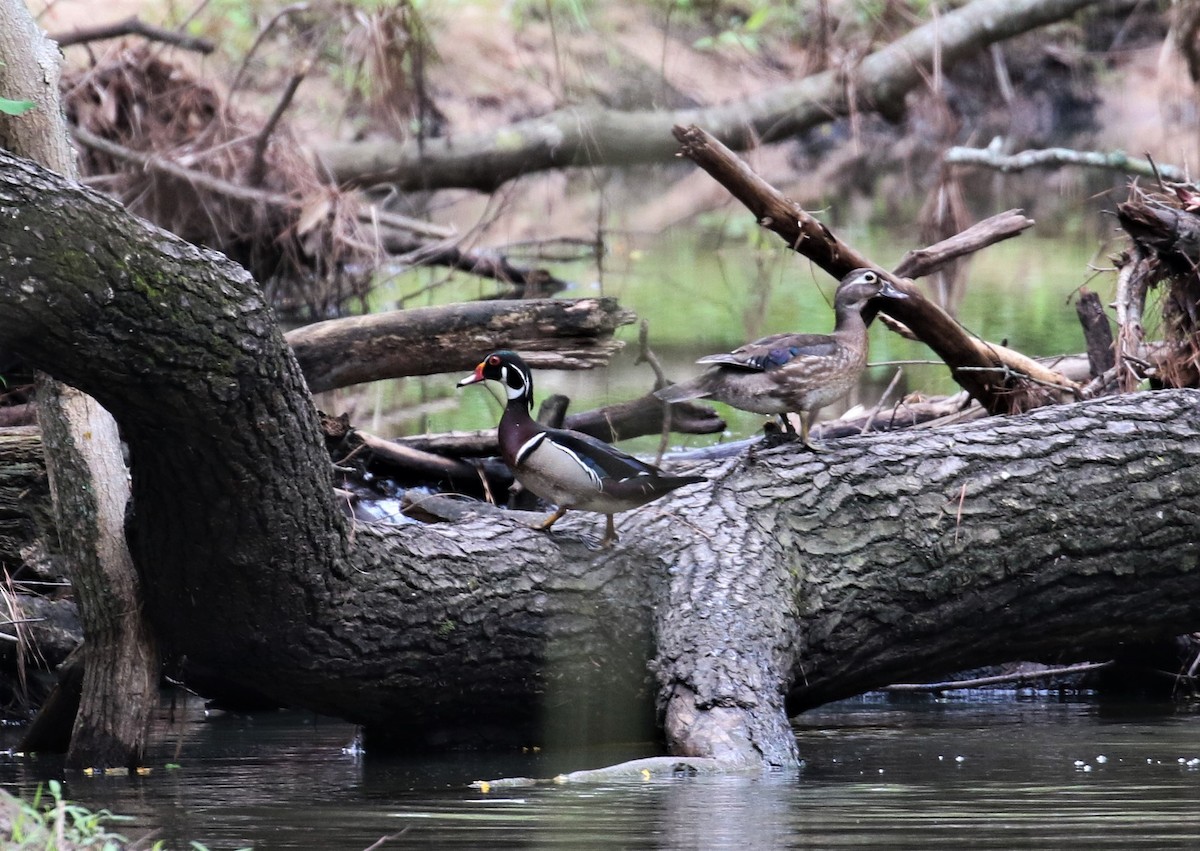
(552,519)
(806,421)
(610,533)
(777,435)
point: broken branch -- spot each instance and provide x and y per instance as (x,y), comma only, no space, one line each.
(550,333)
(134,25)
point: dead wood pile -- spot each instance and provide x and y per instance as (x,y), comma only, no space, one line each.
(1162,262)
(297,234)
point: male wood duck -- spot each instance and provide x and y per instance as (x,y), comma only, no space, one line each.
(787,373)
(568,468)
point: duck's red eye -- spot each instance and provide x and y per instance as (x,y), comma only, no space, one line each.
(494,360)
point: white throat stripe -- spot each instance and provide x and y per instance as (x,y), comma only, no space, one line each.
(528,446)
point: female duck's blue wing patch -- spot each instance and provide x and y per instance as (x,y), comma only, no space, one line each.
(773,352)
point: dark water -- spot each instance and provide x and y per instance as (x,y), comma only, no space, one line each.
(1011,772)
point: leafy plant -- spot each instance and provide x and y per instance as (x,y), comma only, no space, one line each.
(739,32)
(15,107)
(51,822)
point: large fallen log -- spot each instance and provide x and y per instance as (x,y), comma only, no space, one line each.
(791,579)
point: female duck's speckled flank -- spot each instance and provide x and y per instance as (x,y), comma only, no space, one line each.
(787,373)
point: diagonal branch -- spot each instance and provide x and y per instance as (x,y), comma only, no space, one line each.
(134,26)
(999,387)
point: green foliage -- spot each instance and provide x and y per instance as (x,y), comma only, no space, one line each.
(15,107)
(50,822)
(746,25)
(573,12)
(741,30)
(872,10)
(233,24)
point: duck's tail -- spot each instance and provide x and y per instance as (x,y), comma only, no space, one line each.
(694,389)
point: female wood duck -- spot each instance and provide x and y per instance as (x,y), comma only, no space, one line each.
(787,373)
(567,468)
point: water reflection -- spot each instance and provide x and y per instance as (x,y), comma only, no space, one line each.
(1001,773)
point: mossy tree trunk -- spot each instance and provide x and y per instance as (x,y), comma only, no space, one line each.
(84,464)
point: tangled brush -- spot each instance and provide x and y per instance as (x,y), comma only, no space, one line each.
(167,145)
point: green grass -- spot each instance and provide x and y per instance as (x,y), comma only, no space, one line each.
(52,823)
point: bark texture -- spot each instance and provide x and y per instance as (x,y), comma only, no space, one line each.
(120,660)
(793,579)
(574,334)
(24,494)
(86,472)
(577,137)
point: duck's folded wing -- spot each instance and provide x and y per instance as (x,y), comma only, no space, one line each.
(605,460)
(775,351)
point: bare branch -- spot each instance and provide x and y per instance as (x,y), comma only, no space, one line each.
(424,243)
(134,26)
(1015,677)
(258,162)
(1096,333)
(258,40)
(578,137)
(992,157)
(924,261)
(553,333)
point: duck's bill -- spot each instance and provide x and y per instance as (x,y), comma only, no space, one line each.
(890,290)
(473,378)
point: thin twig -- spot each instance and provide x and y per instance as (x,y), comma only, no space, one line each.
(647,355)
(134,25)
(1019,677)
(1009,372)
(258,40)
(258,161)
(879,406)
